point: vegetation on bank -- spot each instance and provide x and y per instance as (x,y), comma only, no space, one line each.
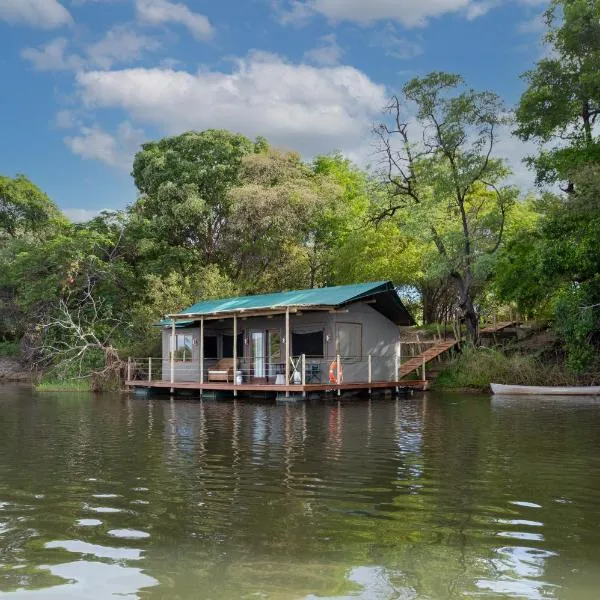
(63,385)
(219,214)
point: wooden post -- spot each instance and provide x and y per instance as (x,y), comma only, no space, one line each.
(149,369)
(338,373)
(303,375)
(397,368)
(423,378)
(287,351)
(235,369)
(129,369)
(173,344)
(370,370)
(201,350)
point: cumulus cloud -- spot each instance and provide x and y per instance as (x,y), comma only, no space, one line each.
(52,56)
(162,11)
(114,150)
(80,215)
(42,14)
(120,45)
(327,52)
(312,109)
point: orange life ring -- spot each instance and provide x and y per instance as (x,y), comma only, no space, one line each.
(333,372)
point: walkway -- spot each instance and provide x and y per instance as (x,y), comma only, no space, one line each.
(413,364)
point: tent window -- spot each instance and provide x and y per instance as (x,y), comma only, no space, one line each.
(183,347)
(309,343)
(228,345)
(348,341)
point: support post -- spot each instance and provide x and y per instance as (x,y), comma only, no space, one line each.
(129,369)
(338,374)
(423,377)
(172,357)
(287,351)
(370,370)
(303,375)
(397,367)
(201,350)
(149,369)
(235,369)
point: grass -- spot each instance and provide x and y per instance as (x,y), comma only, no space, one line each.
(476,368)
(65,385)
(9,350)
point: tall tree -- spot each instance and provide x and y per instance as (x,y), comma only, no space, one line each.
(561,104)
(446,169)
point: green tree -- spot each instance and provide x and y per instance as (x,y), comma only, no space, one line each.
(561,104)
(447,176)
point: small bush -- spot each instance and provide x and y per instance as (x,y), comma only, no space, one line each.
(9,350)
(476,368)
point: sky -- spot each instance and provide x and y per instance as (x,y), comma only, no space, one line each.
(85,82)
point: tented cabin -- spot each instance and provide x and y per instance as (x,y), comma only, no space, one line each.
(344,337)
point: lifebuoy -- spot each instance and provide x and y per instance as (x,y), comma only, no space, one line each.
(333,372)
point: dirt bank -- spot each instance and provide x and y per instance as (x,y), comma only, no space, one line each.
(11,370)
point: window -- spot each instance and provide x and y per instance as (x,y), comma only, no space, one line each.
(183,347)
(228,345)
(210,346)
(308,342)
(348,342)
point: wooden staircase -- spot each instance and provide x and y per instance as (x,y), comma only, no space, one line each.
(497,327)
(415,363)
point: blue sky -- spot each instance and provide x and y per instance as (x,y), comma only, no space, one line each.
(85,82)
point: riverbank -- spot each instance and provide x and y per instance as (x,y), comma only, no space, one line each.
(11,370)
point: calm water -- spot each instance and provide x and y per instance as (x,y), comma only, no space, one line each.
(435,498)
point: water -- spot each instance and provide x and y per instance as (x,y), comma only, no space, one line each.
(435,498)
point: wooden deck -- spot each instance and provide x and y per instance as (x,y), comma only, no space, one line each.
(259,388)
(413,364)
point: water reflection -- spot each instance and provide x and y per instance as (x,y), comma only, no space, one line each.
(434,498)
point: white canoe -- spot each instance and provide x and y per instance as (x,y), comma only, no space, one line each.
(534,390)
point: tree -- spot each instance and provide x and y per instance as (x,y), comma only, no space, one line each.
(24,208)
(184,183)
(561,104)
(448,176)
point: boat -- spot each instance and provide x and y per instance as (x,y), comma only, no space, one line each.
(538,390)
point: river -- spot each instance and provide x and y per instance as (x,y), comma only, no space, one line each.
(434,497)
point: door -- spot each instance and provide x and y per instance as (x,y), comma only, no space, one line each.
(274,353)
(258,354)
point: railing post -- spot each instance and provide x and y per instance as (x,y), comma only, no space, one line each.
(129,369)
(303,375)
(287,351)
(338,374)
(423,372)
(173,349)
(370,370)
(397,368)
(149,369)
(235,368)
(201,350)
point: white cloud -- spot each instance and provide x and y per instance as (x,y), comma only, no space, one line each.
(533,25)
(80,215)
(114,150)
(312,109)
(162,11)
(66,119)
(327,52)
(42,14)
(52,56)
(394,44)
(411,13)
(120,45)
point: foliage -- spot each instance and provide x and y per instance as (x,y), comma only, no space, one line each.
(9,349)
(475,368)
(562,101)
(447,179)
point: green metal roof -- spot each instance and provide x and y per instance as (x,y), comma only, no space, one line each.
(329,296)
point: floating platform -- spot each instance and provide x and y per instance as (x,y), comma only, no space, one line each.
(279,389)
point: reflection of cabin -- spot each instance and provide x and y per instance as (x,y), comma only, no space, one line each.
(341,337)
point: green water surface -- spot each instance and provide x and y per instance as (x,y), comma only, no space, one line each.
(430,497)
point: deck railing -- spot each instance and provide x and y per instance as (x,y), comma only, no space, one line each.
(303,370)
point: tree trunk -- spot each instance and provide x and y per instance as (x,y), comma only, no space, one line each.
(468,313)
